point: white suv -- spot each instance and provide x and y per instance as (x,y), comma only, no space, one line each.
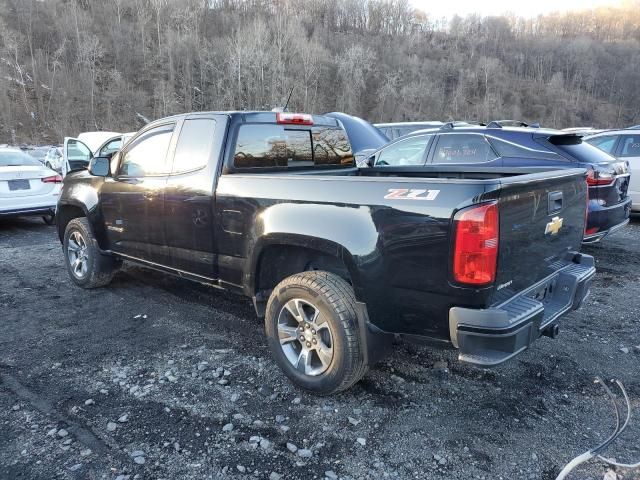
(625,145)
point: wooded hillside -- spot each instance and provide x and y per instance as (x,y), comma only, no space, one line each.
(74,65)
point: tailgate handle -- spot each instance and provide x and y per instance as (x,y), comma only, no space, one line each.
(555,202)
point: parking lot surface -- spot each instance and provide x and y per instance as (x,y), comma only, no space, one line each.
(156,377)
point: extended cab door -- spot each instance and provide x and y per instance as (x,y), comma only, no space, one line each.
(190,199)
(132,199)
(76,155)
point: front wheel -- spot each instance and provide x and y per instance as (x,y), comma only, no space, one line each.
(312,331)
(87,266)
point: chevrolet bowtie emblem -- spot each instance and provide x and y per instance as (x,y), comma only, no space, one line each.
(553,226)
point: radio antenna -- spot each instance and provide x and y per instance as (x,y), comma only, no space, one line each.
(288,98)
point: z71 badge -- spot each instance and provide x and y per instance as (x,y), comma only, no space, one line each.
(411,194)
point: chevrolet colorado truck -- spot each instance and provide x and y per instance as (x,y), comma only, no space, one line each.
(337,259)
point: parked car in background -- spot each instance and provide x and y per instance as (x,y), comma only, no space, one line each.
(93,140)
(337,259)
(39,153)
(77,152)
(624,145)
(497,146)
(398,129)
(27,187)
(113,144)
(53,159)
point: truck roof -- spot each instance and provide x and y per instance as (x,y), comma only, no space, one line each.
(249,116)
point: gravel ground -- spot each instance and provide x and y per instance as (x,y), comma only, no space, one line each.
(155,377)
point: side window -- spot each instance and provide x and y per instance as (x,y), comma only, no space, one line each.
(463,148)
(110,148)
(147,155)
(606,144)
(77,151)
(506,148)
(194,145)
(630,146)
(410,151)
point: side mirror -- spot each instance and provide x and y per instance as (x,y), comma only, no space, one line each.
(99,166)
(371,161)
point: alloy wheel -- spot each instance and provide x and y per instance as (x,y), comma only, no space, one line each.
(77,254)
(305,337)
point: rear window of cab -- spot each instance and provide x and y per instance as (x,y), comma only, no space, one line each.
(280,146)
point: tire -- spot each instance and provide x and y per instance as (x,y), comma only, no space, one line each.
(95,270)
(49,219)
(334,301)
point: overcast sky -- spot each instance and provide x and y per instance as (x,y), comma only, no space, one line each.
(524,8)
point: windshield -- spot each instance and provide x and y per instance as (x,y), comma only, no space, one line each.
(13,158)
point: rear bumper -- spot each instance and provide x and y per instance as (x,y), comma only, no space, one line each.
(607,220)
(596,237)
(24,212)
(492,336)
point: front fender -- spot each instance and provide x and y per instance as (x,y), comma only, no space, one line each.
(80,191)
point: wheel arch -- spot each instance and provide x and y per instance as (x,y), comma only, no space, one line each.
(280,256)
(68,211)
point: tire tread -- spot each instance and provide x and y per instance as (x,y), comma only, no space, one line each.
(340,296)
(104,267)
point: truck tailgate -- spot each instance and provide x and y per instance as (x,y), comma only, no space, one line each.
(541,221)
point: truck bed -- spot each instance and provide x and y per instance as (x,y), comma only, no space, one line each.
(399,249)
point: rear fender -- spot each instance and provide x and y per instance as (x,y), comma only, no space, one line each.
(320,245)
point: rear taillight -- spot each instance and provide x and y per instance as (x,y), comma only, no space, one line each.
(586,210)
(475,252)
(52,179)
(294,118)
(596,178)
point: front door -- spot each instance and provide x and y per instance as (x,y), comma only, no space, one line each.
(75,156)
(132,199)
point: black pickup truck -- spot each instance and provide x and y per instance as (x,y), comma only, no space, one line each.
(336,258)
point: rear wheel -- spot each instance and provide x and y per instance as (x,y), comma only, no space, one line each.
(86,265)
(312,330)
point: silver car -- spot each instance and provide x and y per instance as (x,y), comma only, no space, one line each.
(625,145)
